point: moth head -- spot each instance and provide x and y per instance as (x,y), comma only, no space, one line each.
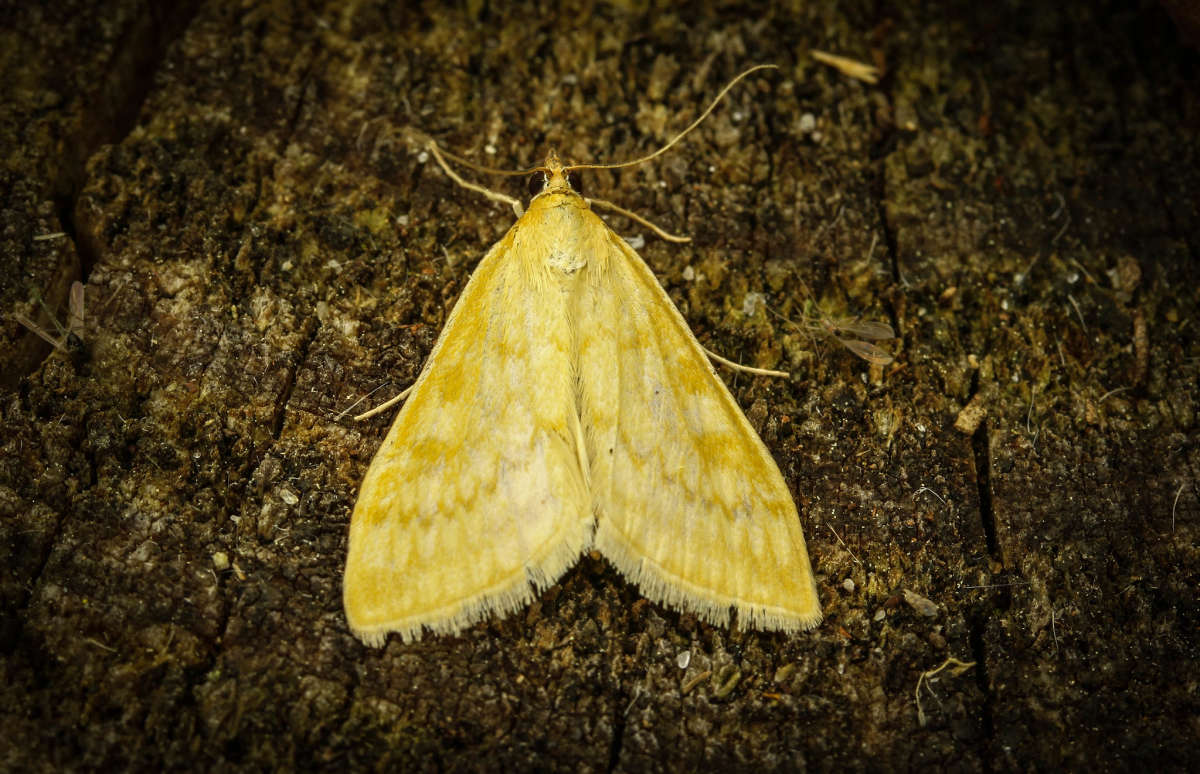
(540,180)
(554,176)
(537,183)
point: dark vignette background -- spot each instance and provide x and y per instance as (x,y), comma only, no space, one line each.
(263,243)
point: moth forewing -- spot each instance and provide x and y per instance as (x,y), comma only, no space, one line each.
(691,505)
(475,498)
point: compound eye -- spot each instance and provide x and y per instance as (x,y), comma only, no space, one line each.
(537,181)
(575,178)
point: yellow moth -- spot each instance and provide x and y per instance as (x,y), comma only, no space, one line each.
(566,407)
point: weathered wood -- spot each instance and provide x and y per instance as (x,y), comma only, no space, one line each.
(264,242)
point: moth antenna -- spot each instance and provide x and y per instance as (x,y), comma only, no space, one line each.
(684,133)
(433,146)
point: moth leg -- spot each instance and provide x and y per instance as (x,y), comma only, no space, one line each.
(495,196)
(634,216)
(744,368)
(382,407)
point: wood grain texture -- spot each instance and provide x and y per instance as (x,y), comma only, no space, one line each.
(263,245)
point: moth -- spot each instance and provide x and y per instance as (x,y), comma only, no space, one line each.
(567,407)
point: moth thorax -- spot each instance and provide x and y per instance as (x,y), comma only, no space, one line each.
(566,261)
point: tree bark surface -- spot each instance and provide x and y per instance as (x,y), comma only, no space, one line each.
(264,241)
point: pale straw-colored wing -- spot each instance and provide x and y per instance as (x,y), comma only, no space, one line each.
(689,503)
(477,497)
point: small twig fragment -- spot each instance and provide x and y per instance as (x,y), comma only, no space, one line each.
(846,66)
